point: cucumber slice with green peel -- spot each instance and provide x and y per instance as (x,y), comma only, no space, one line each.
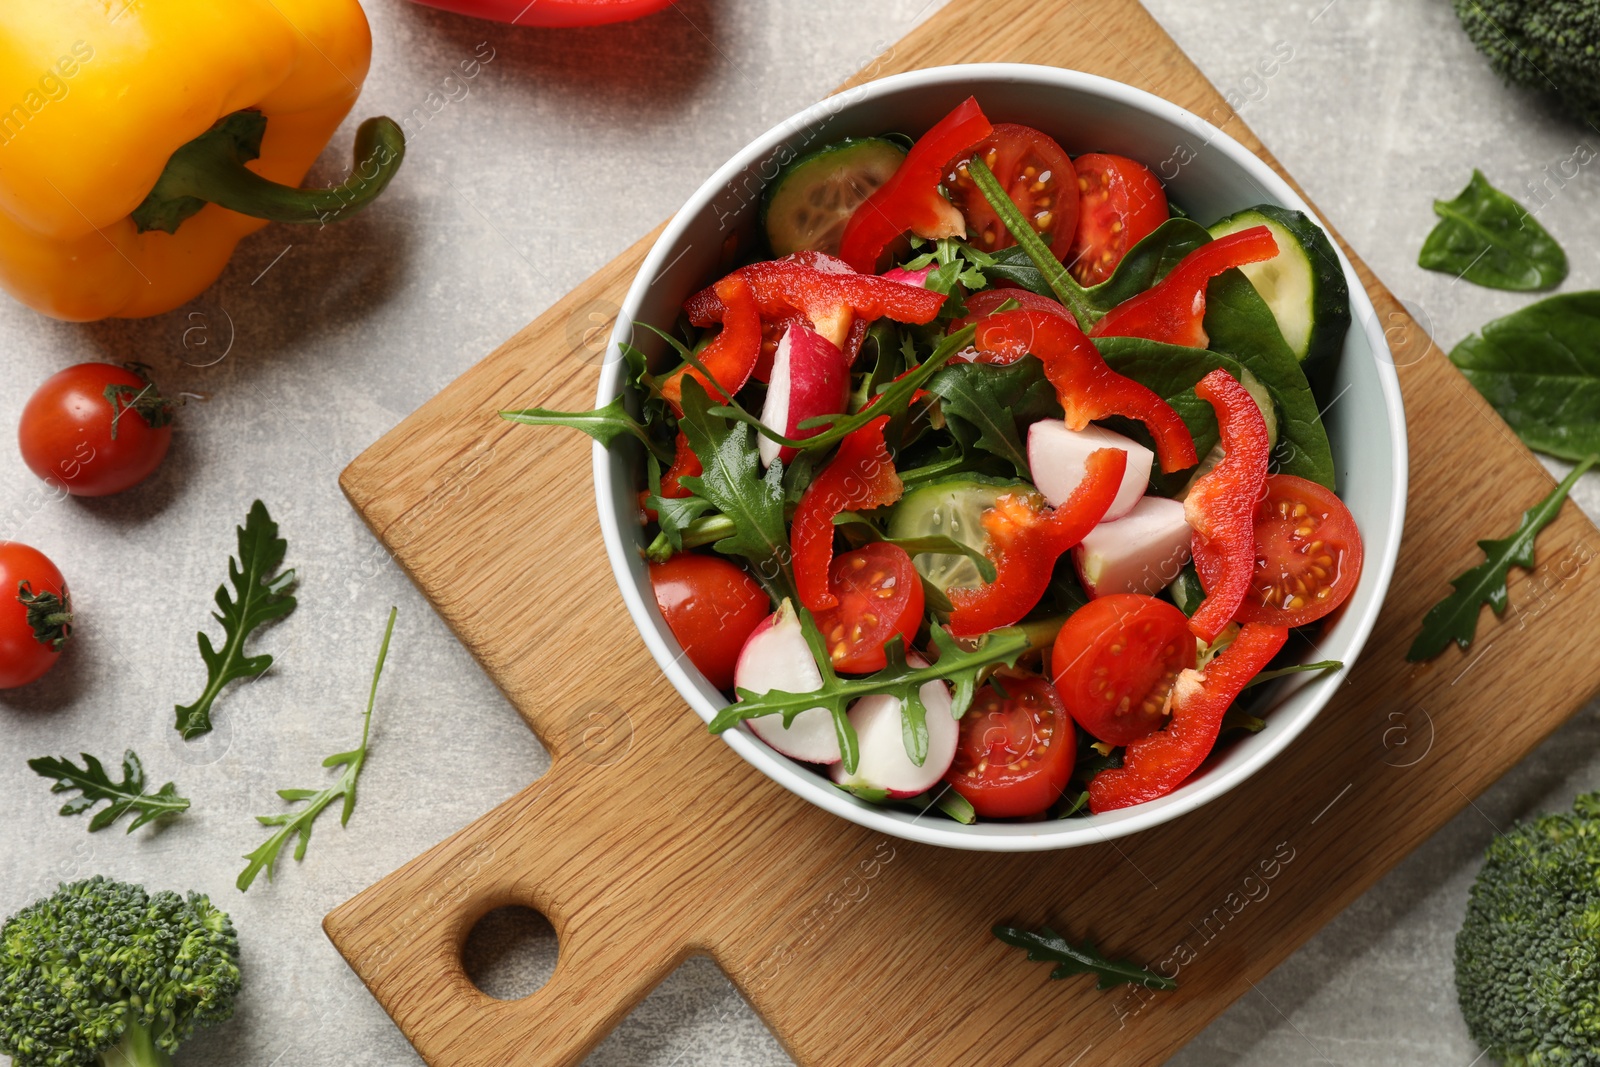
(1303,284)
(807,205)
(953,507)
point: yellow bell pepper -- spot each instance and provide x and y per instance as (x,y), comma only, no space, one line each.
(123,119)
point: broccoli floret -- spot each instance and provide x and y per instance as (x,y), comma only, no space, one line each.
(1552,45)
(102,972)
(1528,954)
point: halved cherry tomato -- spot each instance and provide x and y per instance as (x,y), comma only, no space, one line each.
(1035,172)
(35,614)
(879,596)
(1016,749)
(1119,203)
(1308,554)
(95,429)
(1114,663)
(711,606)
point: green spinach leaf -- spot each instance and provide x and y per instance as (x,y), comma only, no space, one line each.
(1540,368)
(1489,239)
(1241,325)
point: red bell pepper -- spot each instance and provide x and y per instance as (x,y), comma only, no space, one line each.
(732,353)
(551,12)
(1086,387)
(1155,765)
(910,199)
(1221,505)
(684,464)
(1025,540)
(834,300)
(860,476)
(1174,308)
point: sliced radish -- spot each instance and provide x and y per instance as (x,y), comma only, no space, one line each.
(884,763)
(918,278)
(809,378)
(776,656)
(1057,457)
(1141,552)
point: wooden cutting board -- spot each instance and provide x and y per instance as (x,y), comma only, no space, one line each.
(648,840)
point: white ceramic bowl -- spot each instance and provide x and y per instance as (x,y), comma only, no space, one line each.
(1210,175)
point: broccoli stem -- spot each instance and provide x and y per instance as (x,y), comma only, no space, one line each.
(136,1049)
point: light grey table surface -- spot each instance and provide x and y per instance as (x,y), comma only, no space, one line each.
(519,183)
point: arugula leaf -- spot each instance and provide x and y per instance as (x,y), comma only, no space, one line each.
(732,481)
(259,595)
(1296,668)
(603,424)
(1240,324)
(1050,947)
(296,825)
(1540,368)
(1489,239)
(95,785)
(1455,618)
(956,665)
(1062,285)
(995,405)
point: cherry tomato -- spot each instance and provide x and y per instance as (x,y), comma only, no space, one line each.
(879,595)
(1114,663)
(1308,554)
(35,614)
(95,428)
(711,606)
(1016,749)
(1037,174)
(1120,202)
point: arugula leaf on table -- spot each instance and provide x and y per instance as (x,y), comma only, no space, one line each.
(1241,325)
(1455,618)
(1047,946)
(1489,239)
(1540,368)
(732,480)
(95,785)
(296,825)
(259,595)
(603,424)
(958,666)
(994,405)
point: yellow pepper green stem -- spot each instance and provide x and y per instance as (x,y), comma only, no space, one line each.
(211,170)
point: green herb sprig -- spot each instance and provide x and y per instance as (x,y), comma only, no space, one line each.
(1047,946)
(296,825)
(95,785)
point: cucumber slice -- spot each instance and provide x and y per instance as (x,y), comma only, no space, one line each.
(808,204)
(1303,284)
(953,507)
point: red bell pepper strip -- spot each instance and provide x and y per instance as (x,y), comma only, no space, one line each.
(1174,308)
(732,353)
(1086,387)
(824,290)
(910,199)
(1155,765)
(1025,540)
(1221,505)
(684,464)
(860,476)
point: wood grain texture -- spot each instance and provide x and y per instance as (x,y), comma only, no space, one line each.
(648,840)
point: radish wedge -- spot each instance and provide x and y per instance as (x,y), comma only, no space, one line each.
(884,764)
(809,378)
(1142,552)
(1058,456)
(776,656)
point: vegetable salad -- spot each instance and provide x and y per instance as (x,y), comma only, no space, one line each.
(993,481)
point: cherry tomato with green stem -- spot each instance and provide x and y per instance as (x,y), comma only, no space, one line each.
(95,428)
